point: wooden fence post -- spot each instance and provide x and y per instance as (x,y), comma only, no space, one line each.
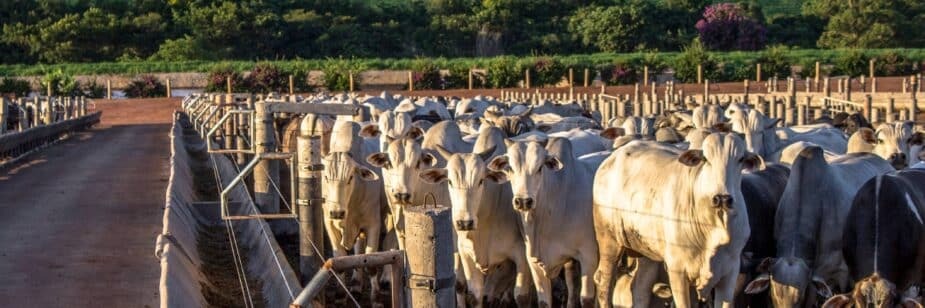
(587,77)
(758,72)
(817,73)
(228,84)
(527,78)
(645,76)
(431,278)
(868,107)
(351,81)
(699,73)
(108,88)
(891,110)
(470,79)
(291,85)
(871,69)
(411,81)
(169,90)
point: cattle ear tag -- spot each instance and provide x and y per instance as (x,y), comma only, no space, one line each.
(691,158)
(370,131)
(838,301)
(367,175)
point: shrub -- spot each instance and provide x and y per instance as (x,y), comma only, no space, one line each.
(685,64)
(14,88)
(265,78)
(426,75)
(337,74)
(735,71)
(546,71)
(218,79)
(618,74)
(503,72)
(61,84)
(299,72)
(458,78)
(727,26)
(145,86)
(808,67)
(93,89)
(852,63)
(774,62)
(893,64)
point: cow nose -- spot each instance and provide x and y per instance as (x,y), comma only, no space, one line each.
(723,200)
(523,204)
(403,197)
(465,225)
(337,214)
(898,157)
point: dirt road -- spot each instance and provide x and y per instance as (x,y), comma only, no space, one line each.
(78,220)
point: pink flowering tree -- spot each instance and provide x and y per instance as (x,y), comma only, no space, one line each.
(727,26)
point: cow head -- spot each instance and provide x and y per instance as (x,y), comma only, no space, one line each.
(391,126)
(875,291)
(717,184)
(707,116)
(512,125)
(892,142)
(528,166)
(342,177)
(468,178)
(790,282)
(401,164)
(850,123)
(736,113)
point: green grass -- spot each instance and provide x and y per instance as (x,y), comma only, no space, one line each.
(795,57)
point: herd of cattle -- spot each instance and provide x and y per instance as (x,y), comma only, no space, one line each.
(716,205)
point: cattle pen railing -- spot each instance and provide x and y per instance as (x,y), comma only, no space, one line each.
(28,125)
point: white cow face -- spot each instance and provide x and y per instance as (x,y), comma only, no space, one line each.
(737,114)
(721,160)
(342,177)
(401,166)
(872,291)
(391,126)
(528,166)
(790,281)
(758,130)
(894,142)
(468,178)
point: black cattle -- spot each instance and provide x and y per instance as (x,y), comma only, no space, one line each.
(883,241)
(762,191)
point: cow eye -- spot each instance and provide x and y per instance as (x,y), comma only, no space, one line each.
(481,181)
(879,141)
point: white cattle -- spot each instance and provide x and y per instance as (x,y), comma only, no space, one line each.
(511,124)
(552,194)
(392,125)
(808,226)
(352,192)
(763,138)
(707,116)
(685,209)
(487,232)
(891,141)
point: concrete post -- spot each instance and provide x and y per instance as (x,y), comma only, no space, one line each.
(848,89)
(244,129)
(309,200)
(266,170)
(4,113)
(636,93)
(108,88)
(868,107)
(891,110)
(228,127)
(351,82)
(68,104)
(645,76)
(431,278)
(24,121)
(49,110)
(904,115)
(169,92)
(914,109)
(706,91)
(801,114)
(817,72)
(780,113)
(745,92)
(410,81)
(874,115)
(825,88)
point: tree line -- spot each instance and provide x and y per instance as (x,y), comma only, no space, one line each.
(64,31)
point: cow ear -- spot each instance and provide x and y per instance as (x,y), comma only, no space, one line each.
(772,123)
(752,162)
(822,288)
(723,127)
(554,163)
(434,175)
(918,138)
(760,284)
(838,301)
(497,177)
(765,265)
(366,174)
(868,135)
(429,159)
(662,290)
(613,133)
(499,164)
(543,128)
(691,158)
(415,133)
(380,160)
(370,131)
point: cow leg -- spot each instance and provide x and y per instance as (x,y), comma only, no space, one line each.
(603,276)
(359,274)
(372,245)
(572,292)
(523,284)
(475,281)
(461,284)
(589,264)
(644,279)
(542,283)
(724,292)
(680,288)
